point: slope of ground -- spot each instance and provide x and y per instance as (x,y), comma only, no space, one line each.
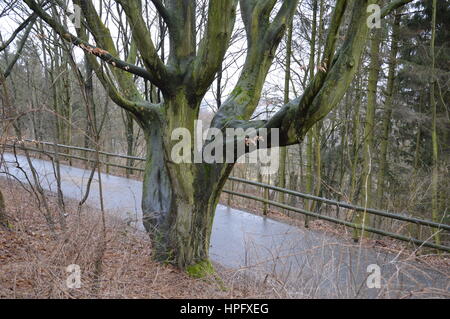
(33,259)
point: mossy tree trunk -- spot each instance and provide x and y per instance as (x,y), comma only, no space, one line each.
(368,152)
(179,200)
(318,127)
(310,134)
(434,138)
(356,142)
(287,78)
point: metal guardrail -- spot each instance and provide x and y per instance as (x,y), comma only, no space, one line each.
(344,204)
(343,222)
(436,226)
(83,149)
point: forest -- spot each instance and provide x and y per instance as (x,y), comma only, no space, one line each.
(349,98)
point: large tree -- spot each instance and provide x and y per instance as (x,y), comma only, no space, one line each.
(179,199)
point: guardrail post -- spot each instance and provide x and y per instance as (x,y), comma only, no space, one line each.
(355,230)
(107,164)
(43,150)
(230,196)
(307,204)
(266,197)
(69,152)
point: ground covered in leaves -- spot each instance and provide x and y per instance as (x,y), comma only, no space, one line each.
(115,261)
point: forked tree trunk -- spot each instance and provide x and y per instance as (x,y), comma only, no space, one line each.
(179,200)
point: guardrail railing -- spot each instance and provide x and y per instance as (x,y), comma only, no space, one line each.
(437,227)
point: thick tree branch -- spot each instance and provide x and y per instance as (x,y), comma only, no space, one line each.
(281,20)
(328,55)
(23,25)
(263,39)
(165,14)
(221,18)
(181,35)
(333,31)
(144,42)
(393,6)
(297,117)
(19,49)
(327,88)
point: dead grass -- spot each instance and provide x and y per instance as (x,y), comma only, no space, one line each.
(33,260)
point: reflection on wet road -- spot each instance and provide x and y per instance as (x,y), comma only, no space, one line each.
(311,263)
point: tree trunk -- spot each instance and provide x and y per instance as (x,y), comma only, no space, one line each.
(434,138)
(3,220)
(129,126)
(309,145)
(179,200)
(283,150)
(362,218)
(356,142)
(318,160)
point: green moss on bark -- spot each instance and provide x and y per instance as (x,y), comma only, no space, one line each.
(201,269)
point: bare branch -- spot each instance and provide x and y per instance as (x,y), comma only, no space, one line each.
(5,44)
(263,39)
(102,54)
(19,49)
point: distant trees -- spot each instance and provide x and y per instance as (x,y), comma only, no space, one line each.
(385,122)
(424,83)
(387,113)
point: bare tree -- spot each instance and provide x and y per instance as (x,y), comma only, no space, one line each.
(179,200)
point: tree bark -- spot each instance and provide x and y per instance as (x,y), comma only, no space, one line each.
(3,219)
(366,177)
(434,137)
(284,150)
(179,199)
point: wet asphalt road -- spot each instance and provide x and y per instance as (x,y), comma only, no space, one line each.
(309,263)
